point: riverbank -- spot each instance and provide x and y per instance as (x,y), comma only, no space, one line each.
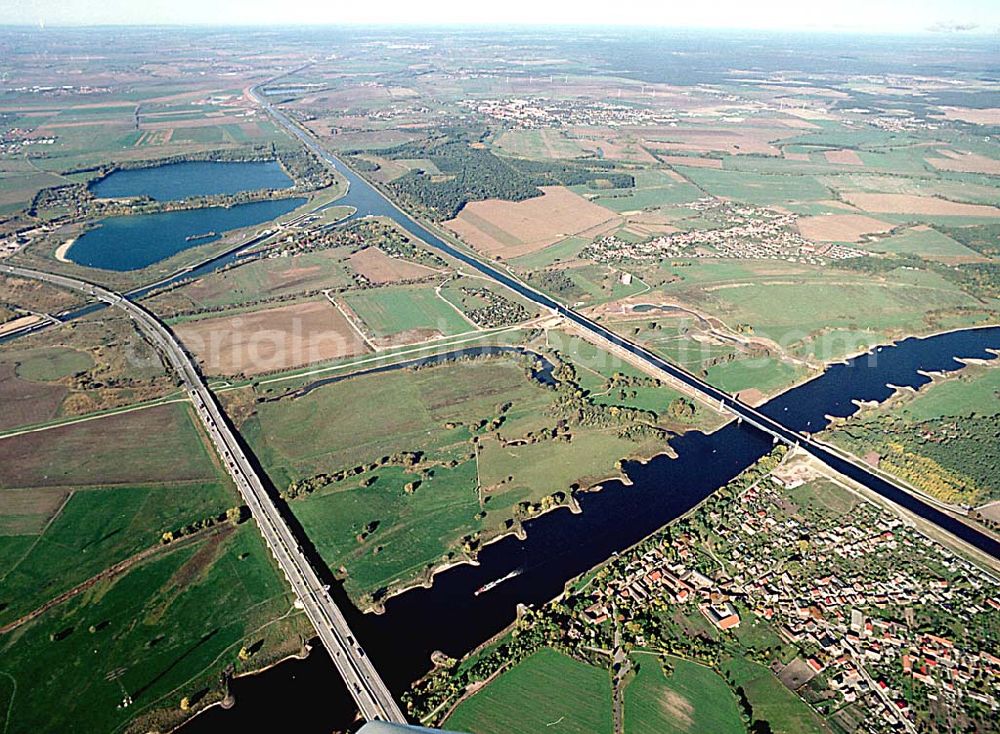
(518,531)
(303,654)
(850,358)
(561,546)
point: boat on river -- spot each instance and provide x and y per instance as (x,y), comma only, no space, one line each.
(495,583)
(202,236)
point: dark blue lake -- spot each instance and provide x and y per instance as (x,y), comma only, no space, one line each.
(134,242)
(193,178)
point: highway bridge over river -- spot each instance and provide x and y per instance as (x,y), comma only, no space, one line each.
(363,682)
(368,690)
(377,203)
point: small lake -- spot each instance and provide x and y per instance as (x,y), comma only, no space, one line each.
(175,181)
(138,241)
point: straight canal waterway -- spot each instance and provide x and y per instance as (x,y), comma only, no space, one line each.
(558,546)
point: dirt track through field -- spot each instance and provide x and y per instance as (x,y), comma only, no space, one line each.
(114,571)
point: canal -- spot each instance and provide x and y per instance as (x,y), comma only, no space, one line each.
(449,617)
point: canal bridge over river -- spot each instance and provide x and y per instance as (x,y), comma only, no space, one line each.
(370,201)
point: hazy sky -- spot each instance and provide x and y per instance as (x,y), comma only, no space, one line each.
(885,16)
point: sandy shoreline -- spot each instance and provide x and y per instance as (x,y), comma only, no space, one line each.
(63,249)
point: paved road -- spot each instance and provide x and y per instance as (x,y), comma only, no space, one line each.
(845,465)
(363,681)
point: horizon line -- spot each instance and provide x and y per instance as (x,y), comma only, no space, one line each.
(930,32)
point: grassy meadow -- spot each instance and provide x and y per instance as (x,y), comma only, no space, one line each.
(547,690)
(771,701)
(158,633)
(390,311)
(690,699)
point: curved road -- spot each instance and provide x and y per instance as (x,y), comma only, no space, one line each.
(363,681)
(852,469)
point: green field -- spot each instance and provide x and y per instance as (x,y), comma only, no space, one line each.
(159,443)
(388,311)
(784,711)
(963,191)
(48,365)
(812,311)
(793,313)
(301,437)
(547,691)
(539,144)
(757,188)
(414,531)
(381,534)
(973,391)
(653,189)
(825,496)
(927,243)
(837,135)
(561,251)
(553,466)
(93,530)
(691,699)
(766,374)
(161,632)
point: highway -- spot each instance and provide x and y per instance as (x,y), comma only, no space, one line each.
(363,682)
(855,470)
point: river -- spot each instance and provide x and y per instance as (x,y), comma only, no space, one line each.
(560,545)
